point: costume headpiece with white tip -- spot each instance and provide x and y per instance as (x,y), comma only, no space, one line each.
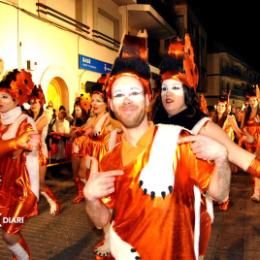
(179,63)
(132,61)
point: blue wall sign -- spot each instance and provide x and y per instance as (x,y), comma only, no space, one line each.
(88,63)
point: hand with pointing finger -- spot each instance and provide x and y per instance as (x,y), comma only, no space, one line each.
(100,184)
(205,148)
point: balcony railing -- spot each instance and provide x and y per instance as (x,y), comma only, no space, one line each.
(44,9)
(106,38)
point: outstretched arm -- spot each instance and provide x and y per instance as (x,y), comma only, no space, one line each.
(236,154)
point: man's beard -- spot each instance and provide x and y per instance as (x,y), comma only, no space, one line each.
(131,122)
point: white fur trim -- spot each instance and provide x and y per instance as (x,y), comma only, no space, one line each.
(195,130)
(11,116)
(18,251)
(197,204)
(119,248)
(157,175)
(210,208)
(12,130)
(32,165)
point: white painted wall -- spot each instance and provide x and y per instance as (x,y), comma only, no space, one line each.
(53,49)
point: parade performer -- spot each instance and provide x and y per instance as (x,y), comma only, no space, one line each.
(251,140)
(19,170)
(80,116)
(178,104)
(228,123)
(149,183)
(99,134)
(225,120)
(103,134)
(37,100)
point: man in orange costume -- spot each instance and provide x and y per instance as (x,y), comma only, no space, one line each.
(150,185)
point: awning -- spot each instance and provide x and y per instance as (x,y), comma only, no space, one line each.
(143,16)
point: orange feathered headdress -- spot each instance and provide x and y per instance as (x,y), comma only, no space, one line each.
(132,61)
(18,84)
(37,93)
(179,63)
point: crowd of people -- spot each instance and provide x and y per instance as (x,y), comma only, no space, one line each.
(149,165)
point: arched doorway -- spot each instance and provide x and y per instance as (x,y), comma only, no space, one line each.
(57,92)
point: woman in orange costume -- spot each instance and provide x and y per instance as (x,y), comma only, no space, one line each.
(251,127)
(228,123)
(185,111)
(102,129)
(37,100)
(100,134)
(102,137)
(19,170)
(80,115)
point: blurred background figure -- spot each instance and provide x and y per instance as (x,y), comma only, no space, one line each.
(80,116)
(37,100)
(251,138)
(60,134)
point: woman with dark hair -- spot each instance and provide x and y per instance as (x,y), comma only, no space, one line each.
(186,116)
(79,115)
(225,119)
(37,100)
(178,104)
(19,170)
(99,133)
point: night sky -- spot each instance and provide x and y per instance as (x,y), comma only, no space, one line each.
(236,24)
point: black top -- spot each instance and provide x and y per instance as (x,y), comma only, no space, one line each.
(187,118)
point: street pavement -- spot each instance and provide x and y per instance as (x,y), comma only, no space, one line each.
(71,235)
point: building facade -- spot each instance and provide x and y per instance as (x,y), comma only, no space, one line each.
(66,45)
(227,73)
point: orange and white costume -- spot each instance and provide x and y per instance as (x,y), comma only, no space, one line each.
(156,206)
(19,189)
(252,127)
(228,128)
(97,144)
